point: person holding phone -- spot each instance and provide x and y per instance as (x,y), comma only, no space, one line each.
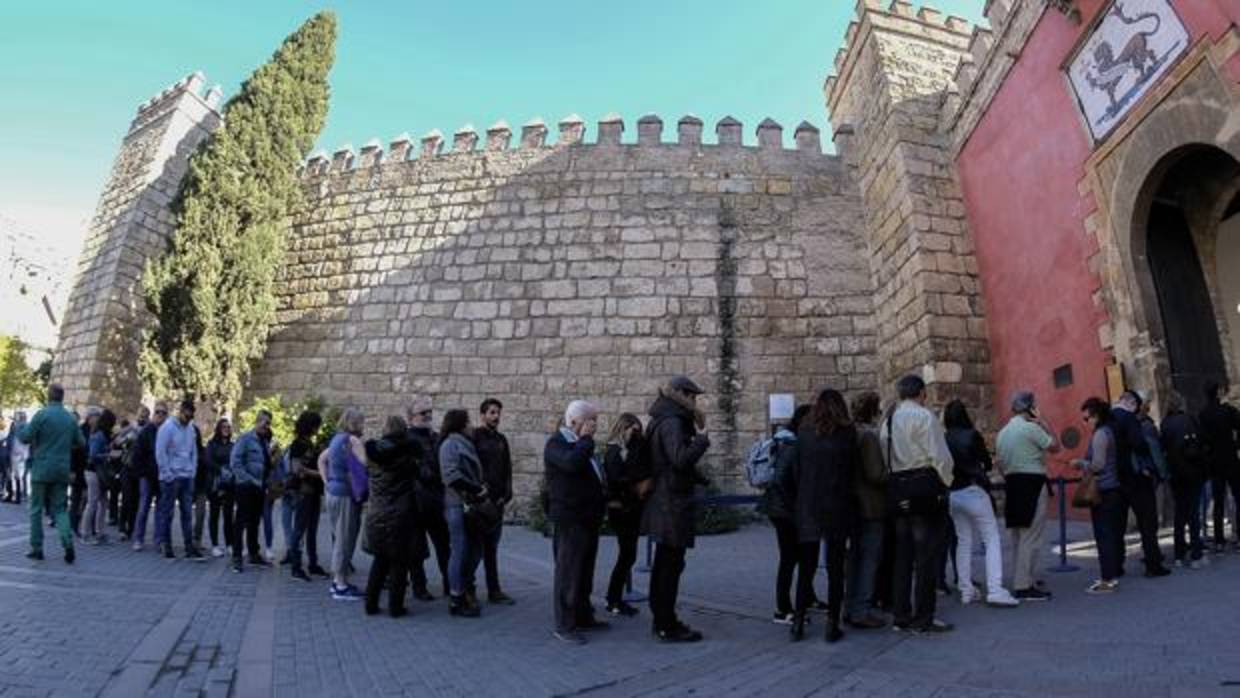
(577,487)
(1022,446)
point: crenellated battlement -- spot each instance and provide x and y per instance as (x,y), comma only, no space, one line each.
(170,98)
(572,131)
(926,23)
(986,52)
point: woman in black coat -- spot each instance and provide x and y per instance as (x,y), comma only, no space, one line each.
(824,463)
(628,483)
(392,466)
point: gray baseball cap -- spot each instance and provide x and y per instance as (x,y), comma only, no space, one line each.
(1022,401)
(685,385)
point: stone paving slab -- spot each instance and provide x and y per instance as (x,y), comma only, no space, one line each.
(118,620)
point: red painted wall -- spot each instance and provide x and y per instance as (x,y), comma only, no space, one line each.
(1019,173)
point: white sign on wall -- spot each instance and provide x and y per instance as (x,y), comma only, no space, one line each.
(782,405)
(1135,42)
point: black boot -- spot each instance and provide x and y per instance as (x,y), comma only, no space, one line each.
(798,626)
(460,606)
(834,634)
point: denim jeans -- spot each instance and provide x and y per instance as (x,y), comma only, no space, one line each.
(176,493)
(1110,519)
(289,504)
(268,528)
(147,488)
(490,558)
(919,540)
(466,552)
(94,516)
(306,529)
(863,557)
(1187,515)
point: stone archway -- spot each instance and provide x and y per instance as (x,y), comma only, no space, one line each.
(1196,116)
(1175,243)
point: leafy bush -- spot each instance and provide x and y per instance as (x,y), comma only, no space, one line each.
(284,415)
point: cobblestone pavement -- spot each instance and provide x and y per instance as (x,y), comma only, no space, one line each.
(120,623)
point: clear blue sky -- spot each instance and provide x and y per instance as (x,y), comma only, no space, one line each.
(73,73)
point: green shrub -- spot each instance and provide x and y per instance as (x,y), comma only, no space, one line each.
(284,415)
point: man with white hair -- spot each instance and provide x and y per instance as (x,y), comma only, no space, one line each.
(1022,446)
(576,485)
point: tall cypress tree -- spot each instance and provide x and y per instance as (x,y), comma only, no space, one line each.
(212,293)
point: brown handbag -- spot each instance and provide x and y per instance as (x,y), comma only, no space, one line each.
(1086,495)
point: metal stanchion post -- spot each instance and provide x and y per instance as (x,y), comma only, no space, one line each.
(1061,493)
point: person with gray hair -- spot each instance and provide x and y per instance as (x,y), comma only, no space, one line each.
(577,486)
(346,454)
(1022,446)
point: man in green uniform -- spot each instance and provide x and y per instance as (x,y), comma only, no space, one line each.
(52,435)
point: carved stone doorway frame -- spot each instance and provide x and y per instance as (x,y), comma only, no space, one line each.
(1194,105)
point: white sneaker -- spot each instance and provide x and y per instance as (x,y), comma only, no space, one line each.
(268,555)
(217,551)
(968,595)
(1002,599)
(137,547)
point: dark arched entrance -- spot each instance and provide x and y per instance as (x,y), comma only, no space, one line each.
(1188,204)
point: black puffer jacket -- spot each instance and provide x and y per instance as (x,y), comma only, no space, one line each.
(675,449)
(822,474)
(392,465)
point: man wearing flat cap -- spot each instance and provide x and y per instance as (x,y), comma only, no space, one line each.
(1022,446)
(676,444)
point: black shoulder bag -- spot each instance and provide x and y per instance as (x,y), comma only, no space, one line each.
(916,492)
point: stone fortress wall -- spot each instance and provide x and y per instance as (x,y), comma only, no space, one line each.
(543,273)
(540,272)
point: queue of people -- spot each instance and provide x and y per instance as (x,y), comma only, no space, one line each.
(409,491)
(891,497)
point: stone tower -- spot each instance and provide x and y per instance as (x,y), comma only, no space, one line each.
(892,78)
(101,336)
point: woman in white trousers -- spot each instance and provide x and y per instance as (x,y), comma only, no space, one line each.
(971,509)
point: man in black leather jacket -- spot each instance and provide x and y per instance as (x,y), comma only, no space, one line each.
(431,527)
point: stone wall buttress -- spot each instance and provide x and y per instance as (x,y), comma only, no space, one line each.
(892,78)
(101,336)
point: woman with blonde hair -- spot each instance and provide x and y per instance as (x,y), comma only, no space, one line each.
(628,473)
(345,458)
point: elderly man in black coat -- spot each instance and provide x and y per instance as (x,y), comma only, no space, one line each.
(676,446)
(576,485)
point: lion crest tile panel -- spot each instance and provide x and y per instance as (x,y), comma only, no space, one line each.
(1135,42)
